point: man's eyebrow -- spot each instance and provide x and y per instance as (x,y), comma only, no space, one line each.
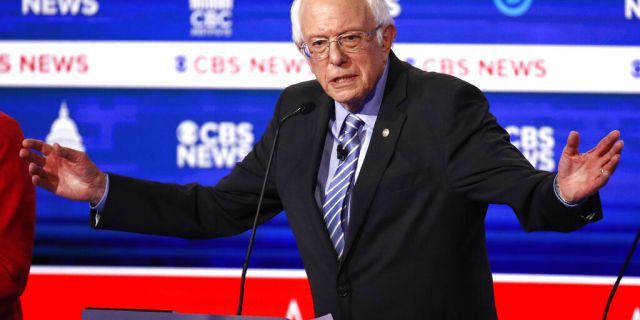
(317,36)
(342,31)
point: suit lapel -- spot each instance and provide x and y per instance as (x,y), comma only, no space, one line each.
(323,110)
(380,150)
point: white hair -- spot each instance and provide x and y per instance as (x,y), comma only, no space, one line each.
(378,8)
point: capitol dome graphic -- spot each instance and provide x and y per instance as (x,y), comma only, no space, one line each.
(64,131)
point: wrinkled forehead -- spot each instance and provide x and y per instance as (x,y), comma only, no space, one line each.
(324,18)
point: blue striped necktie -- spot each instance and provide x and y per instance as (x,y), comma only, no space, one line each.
(336,197)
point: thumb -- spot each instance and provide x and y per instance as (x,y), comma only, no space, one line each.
(573,141)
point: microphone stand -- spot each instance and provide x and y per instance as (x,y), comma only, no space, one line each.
(620,275)
(302,109)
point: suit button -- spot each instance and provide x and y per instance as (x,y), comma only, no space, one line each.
(344,290)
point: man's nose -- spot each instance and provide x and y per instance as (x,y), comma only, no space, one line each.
(336,55)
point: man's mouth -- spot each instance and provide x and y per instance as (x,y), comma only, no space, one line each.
(343,79)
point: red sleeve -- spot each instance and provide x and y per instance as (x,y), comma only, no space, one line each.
(17,214)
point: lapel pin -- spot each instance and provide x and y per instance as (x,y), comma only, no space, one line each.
(385,132)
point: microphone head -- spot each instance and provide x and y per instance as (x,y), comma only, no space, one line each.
(303,108)
(306,107)
(341,152)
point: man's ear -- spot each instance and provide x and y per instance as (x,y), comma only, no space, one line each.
(388,36)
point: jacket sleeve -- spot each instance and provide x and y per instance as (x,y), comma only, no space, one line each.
(17,214)
(485,166)
(194,211)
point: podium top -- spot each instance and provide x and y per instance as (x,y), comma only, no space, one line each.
(110,314)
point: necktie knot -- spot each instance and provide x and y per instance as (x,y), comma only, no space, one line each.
(352,124)
(349,136)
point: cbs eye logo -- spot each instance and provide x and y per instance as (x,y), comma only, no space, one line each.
(513,8)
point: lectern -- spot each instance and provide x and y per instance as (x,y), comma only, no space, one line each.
(119,314)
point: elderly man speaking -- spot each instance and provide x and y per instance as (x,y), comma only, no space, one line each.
(385,183)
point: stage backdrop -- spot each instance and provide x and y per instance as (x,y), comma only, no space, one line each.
(179,91)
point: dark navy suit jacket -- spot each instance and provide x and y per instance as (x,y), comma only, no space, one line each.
(415,247)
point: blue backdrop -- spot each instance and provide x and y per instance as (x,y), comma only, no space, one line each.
(134,131)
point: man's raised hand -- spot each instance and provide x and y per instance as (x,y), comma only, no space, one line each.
(66,172)
(583,174)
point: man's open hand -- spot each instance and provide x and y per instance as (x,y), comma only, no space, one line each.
(583,174)
(66,172)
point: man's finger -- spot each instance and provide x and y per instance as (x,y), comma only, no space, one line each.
(573,140)
(36,170)
(610,167)
(40,178)
(607,142)
(42,183)
(616,149)
(37,145)
(30,156)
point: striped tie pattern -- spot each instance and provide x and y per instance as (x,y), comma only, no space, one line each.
(335,203)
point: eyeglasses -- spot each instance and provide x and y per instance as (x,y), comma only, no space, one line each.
(351,41)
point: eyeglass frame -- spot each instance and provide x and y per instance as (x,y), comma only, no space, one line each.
(304,47)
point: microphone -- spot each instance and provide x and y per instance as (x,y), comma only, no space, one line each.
(341,152)
(304,109)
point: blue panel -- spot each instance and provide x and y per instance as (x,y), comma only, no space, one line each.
(598,248)
(123,129)
(437,21)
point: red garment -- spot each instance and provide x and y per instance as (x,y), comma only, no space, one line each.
(17,219)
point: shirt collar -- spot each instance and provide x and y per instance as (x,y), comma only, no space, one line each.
(369,112)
